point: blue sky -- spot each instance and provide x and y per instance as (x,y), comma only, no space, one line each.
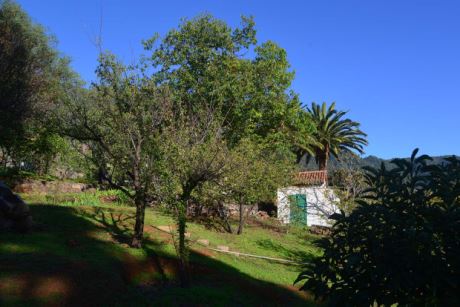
(395,65)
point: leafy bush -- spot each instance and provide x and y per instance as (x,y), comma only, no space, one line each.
(402,243)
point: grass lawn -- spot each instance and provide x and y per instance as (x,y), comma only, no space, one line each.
(80,257)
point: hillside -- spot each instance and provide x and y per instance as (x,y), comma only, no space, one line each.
(359,162)
(79,256)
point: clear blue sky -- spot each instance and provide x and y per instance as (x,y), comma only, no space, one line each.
(395,65)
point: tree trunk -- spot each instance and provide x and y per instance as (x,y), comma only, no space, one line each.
(241,220)
(228,227)
(223,216)
(183,252)
(100,176)
(299,155)
(136,241)
(323,157)
(139,201)
(322,163)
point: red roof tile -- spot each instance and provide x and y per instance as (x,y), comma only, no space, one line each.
(311,178)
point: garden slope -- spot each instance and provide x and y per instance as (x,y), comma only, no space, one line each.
(80,257)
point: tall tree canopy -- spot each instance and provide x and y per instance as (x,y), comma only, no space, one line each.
(205,61)
(33,77)
(334,133)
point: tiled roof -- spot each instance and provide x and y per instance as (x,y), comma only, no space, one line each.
(311,178)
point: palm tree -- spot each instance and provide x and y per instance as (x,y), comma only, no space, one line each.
(334,134)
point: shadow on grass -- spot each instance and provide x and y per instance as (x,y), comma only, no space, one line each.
(115,223)
(70,262)
(299,256)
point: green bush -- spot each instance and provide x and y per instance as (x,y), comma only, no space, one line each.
(400,246)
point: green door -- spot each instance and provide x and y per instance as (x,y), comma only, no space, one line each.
(298,209)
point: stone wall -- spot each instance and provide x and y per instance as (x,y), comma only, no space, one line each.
(45,187)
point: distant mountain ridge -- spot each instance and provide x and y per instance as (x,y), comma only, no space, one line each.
(359,162)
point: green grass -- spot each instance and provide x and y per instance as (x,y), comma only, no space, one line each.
(295,245)
(80,256)
(98,198)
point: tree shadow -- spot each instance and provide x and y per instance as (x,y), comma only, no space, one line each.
(119,225)
(271,224)
(71,262)
(211,223)
(299,256)
(61,264)
(115,223)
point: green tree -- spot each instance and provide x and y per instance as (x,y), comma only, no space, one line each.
(220,98)
(33,78)
(334,134)
(194,154)
(254,174)
(119,121)
(223,97)
(201,61)
(197,158)
(204,62)
(400,245)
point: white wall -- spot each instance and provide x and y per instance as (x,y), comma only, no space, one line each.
(320,204)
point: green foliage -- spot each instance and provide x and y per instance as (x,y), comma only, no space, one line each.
(199,60)
(222,101)
(33,78)
(255,172)
(69,164)
(400,245)
(251,175)
(193,153)
(334,134)
(203,61)
(118,124)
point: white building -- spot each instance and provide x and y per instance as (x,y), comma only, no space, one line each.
(309,202)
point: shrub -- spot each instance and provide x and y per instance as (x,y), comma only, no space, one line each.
(400,246)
